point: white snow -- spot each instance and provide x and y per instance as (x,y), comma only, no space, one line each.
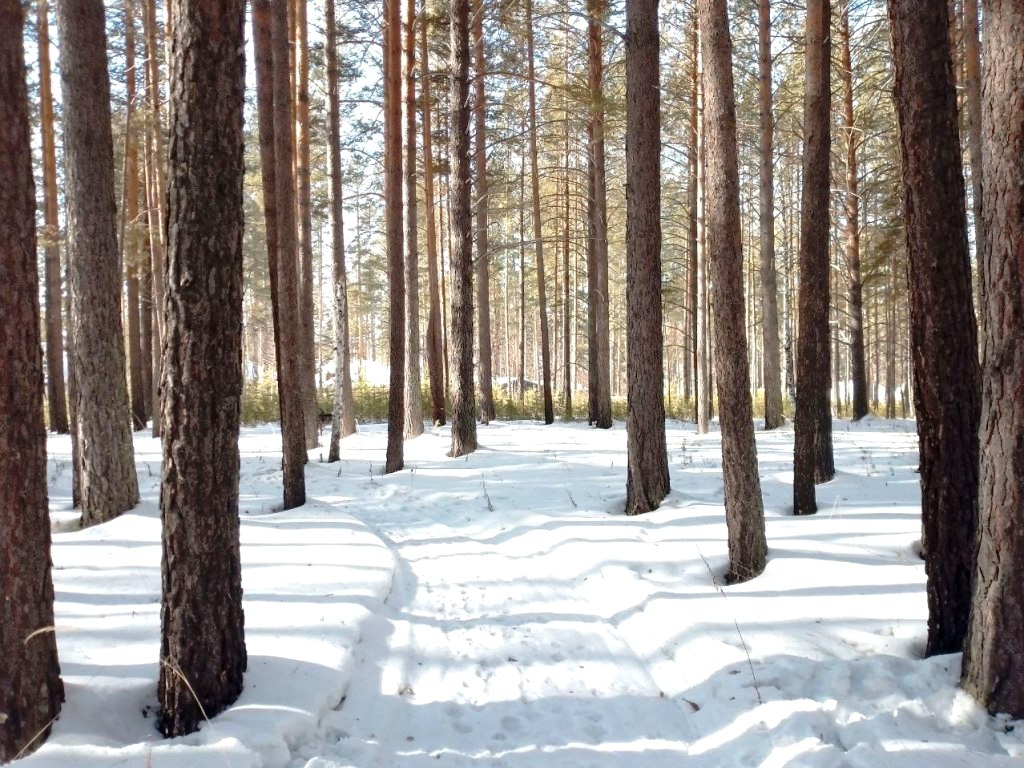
(500,610)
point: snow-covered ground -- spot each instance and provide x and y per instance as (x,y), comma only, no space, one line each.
(500,610)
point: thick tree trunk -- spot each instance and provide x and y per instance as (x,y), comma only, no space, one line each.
(343,422)
(56,396)
(647,479)
(463,419)
(289,368)
(413,382)
(769,293)
(307,359)
(202,647)
(993,665)
(483,272)
(538,234)
(744,509)
(109,482)
(32,692)
(435,352)
(942,326)
(813,461)
(393,188)
(852,206)
(599,369)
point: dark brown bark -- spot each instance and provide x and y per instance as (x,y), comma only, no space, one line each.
(202,645)
(744,509)
(435,353)
(483,272)
(812,461)
(343,422)
(771,366)
(413,381)
(307,353)
(109,483)
(858,369)
(993,665)
(647,480)
(289,367)
(463,419)
(692,201)
(56,397)
(32,691)
(393,188)
(538,235)
(942,326)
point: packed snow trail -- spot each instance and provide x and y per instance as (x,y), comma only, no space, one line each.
(487,655)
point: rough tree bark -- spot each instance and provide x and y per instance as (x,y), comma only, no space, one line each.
(812,461)
(993,668)
(109,482)
(943,338)
(393,187)
(772,371)
(202,648)
(744,508)
(463,418)
(289,368)
(647,479)
(56,396)
(343,422)
(32,692)
(413,382)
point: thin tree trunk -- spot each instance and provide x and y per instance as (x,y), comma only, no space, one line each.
(522,277)
(647,478)
(343,422)
(693,201)
(972,67)
(993,664)
(703,331)
(744,509)
(813,461)
(435,352)
(942,325)
(32,691)
(566,306)
(464,438)
(413,383)
(56,396)
(538,235)
(393,231)
(769,293)
(483,279)
(289,368)
(109,482)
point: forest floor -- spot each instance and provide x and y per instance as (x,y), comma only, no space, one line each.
(500,610)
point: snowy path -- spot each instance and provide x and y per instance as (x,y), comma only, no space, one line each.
(483,646)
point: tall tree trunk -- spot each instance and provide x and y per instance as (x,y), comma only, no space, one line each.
(435,352)
(993,665)
(852,205)
(307,359)
(693,248)
(942,325)
(202,644)
(647,479)
(972,67)
(744,509)
(463,419)
(522,277)
(343,422)
(413,383)
(769,293)
(703,330)
(813,461)
(538,235)
(598,363)
(32,691)
(109,482)
(56,396)
(289,368)
(155,198)
(393,230)
(129,240)
(566,293)
(76,451)
(483,279)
